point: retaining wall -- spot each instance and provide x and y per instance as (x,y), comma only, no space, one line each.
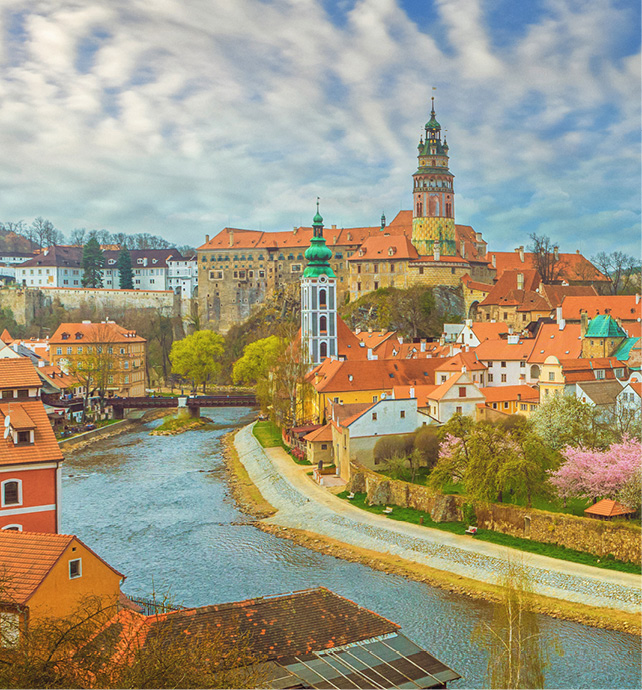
(598,537)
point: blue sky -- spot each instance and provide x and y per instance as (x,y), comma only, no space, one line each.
(179,117)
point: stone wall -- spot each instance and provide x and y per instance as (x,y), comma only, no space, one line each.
(22,302)
(598,537)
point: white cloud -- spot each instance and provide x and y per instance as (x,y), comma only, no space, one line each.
(178,117)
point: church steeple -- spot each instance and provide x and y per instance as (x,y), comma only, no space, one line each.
(433,225)
(319,298)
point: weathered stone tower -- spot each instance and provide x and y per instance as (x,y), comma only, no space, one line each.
(433,215)
(319,298)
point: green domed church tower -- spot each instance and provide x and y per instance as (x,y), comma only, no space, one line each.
(319,298)
(433,214)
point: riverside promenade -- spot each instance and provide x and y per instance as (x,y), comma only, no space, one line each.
(302,504)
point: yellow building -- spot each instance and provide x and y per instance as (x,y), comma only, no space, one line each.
(51,575)
(107,356)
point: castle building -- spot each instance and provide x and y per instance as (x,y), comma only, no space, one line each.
(318,298)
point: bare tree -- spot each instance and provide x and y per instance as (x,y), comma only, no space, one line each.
(45,232)
(78,237)
(546,259)
(620,268)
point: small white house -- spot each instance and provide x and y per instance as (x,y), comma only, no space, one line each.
(458,395)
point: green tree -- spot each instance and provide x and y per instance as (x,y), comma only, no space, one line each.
(518,653)
(124,266)
(93,261)
(454,452)
(197,357)
(567,421)
(257,360)
(491,449)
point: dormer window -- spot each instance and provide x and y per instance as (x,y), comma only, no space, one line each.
(154,261)
(112,262)
(139,261)
(79,336)
(65,336)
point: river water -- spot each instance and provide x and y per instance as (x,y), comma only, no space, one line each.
(159,509)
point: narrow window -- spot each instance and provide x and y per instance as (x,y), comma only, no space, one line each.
(75,568)
(462,392)
(323,350)
(402,414)
(11,492)
(322,299)
(374,416)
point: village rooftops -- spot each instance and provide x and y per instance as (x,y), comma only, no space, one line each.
(27,558)
(488,330)
(18,373)
(105,332)
(469,360)
(565,343)
(622,307)
(510,393)
(27,414)
(504,349)
(556,294)
(571,267)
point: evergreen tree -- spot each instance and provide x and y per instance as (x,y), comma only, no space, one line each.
(93,261)
(124,266)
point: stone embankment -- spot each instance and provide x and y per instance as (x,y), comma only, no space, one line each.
(311,515)
(620,539)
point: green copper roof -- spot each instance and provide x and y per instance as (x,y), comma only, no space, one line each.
(432,124)
(624,351)
(317,220)
(318,256)
(604,326)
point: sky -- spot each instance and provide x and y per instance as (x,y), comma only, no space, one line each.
(181,117)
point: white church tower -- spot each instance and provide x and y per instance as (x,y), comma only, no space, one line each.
(319,298)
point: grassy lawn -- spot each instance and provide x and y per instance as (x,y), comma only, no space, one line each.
(172,423)
(268,435)
(551,550)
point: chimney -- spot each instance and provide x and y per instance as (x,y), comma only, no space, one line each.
(513,339)
(583,323)
(510,330)
(478,236)
(436,252)
(577,251)
(422,347)
(231,233)
(295,230)
(462,249)
(207,239)
(411,392)
(561,323)
(637,299)
(494,261)
(556,253)
(333,227)
(469,323)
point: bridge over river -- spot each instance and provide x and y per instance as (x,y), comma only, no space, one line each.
(192,403)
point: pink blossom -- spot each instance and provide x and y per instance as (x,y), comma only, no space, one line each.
(598,474)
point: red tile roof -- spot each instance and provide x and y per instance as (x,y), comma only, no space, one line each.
(608,508)
(623,307)
(468,359)
(487,330)
(573,267)
(475,285)
(45,447)
(334,376)
(421,392)
(583,369)
(508,282)
(6,337)
(507,393)
(555,294)
(323,433)
(564,344)
(374,339)
(94,333)
(26,558)
(500,348)
(18,372)
(385,248)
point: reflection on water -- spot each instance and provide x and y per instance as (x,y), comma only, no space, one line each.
(158,508)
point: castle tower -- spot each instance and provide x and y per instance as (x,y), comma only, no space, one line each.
(318,298)
(433,214)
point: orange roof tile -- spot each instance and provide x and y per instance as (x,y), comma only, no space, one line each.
(487,330)
(572,266)
(18,373)
(45,447)
(474,284)
(564,344)
(421,392)
(373,340)
(26,559)
(506,289)
(623,307)
(323,433)
(338,376)
(80,333)
(500,348)
(6,337)
(608,508)
(555,294)
(385,248)
(505,393)
(468,359)
(439,392)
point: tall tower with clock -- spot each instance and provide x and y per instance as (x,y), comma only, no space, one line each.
(319,298)
(433,214)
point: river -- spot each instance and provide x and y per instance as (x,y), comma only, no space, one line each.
(159,509)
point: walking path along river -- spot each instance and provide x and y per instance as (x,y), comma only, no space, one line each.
(160,507)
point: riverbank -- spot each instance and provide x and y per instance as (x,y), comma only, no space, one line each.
(596,616)
(76,443)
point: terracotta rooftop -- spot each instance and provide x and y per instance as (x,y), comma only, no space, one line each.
(608,508)
(500,348)
(623,307)
(82,333)
(27,557)
(342,412)
(563,344)
(45,447)
(556,294)
(323,433)
(506,393)
(485,330)
(508,281)
(18,372)
(468,359)
(421,392)
(572,267)
(475,285)
(385,248)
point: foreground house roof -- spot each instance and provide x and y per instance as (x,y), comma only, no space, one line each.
(608,508)
(307,639)
(86,333)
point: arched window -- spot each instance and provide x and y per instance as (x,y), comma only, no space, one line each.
(323,325)
(11,492)
(323,351)
(323,302)
(535,371)
(13,528)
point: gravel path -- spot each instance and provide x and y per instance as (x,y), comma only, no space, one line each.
(302,504)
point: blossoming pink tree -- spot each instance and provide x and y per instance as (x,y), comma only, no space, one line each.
(598,474)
